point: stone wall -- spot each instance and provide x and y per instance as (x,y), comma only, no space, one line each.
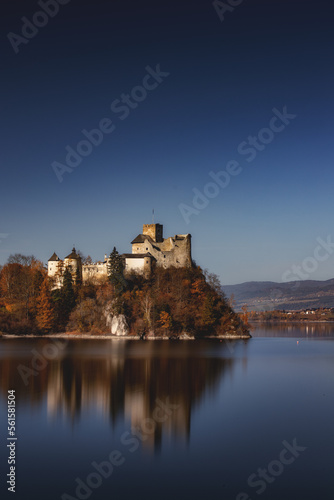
(173,251)
(155,231)
(95,272)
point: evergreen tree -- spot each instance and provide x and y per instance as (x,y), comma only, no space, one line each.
(45,316)
(65,299)
(68,290)
(78,279)
(115,268)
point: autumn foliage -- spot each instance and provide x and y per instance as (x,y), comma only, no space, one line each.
(176,301)
(171,302)
(45,317)
(20,282)
(29,302)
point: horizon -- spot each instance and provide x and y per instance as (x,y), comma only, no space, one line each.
(45,263)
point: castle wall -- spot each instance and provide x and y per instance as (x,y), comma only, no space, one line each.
(134,265)
(55,271)
(94,272)
(53,267)
(173,251)
(73,264)
(154,231)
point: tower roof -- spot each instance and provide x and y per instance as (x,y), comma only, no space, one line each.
(54,257)
(141,239)
(73,255)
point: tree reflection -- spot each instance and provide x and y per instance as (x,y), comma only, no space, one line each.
(121,380)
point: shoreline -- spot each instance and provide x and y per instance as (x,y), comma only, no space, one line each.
(81,336)
(288,322)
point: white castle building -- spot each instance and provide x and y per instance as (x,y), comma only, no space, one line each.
(148,249)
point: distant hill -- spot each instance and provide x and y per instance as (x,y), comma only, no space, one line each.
(294,295)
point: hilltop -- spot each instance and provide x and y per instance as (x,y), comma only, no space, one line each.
(173,303)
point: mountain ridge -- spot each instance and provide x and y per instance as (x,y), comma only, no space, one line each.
(292,295)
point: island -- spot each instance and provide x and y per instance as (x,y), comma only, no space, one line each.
(156,292)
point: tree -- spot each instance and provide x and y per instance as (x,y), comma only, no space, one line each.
(165,321)
(209,314)
(198,288)
(78,279)
(64,299)
(45,317)
(81,255)
(115,268)
(245,315)
(87,260)
(20,283)
(87,317)
(231,301)
(214,283)
(10,283)
(68,290)
(146,303)
(18,258)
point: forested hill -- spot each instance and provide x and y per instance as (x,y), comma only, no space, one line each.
(170,303)
(293,295)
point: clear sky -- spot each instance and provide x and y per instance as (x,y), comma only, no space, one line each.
(198,96)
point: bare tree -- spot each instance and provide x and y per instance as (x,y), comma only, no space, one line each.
(24,260)
(87,260)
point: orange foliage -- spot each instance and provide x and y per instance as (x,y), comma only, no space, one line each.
(45,308)
(165,320)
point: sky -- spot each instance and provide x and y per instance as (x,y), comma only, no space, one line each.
(217,115)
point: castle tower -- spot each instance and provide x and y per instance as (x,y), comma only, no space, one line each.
(54,263)
(154,231)
(174,251)
(73,261)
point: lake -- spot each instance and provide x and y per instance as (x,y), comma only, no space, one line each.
(165,419)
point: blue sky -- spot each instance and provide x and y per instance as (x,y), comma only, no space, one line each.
(224,79)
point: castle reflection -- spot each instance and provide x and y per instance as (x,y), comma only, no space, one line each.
(120,379)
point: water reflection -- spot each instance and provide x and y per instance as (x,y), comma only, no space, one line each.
(298,329)
(119,380)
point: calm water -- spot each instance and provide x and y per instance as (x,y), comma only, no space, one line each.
(183,420)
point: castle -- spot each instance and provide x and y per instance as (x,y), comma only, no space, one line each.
(149,249)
